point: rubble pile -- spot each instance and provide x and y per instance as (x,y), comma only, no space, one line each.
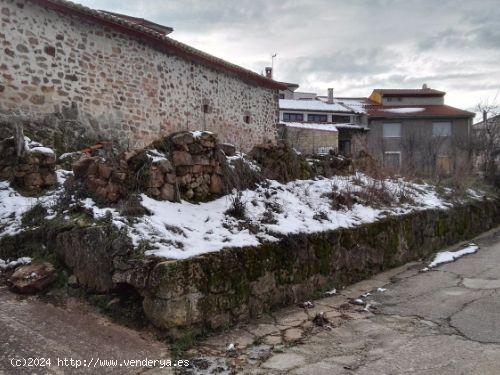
(185,165)
(31,170)
(104,179)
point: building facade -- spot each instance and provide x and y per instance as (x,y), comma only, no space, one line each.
(317,125)
(129,81)
(414,131)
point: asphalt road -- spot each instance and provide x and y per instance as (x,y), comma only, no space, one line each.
(442,322)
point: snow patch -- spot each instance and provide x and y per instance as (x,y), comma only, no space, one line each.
(156,156)
(451,256)
(404,110)
(5,265)
(311,126)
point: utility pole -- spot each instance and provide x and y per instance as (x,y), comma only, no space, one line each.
(272,60)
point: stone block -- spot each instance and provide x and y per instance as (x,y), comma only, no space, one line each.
(156,178)
(229,149)
(167,192)
(33,180)
(182,158)
(104,170)
(33,278)
(200,160)
(216,185)
(182,139)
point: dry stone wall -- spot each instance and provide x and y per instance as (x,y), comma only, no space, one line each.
(219,289)
(125,89)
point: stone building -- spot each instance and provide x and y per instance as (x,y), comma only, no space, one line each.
(126,79)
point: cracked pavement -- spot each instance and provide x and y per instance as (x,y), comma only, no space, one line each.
(445,321)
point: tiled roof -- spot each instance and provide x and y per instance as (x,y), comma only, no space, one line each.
(158,39)
(141,21)
(410,92)
(416,111)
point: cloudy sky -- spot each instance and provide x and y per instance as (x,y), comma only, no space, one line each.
(353,46)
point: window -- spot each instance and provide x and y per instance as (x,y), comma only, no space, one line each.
(291,117)
(247,119)
(206,108)
(282,96)
(345,147)
(392,130)
(441,129)
(317,118)
(340,119)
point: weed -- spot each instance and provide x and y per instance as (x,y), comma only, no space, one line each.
(237,209)
(35,216)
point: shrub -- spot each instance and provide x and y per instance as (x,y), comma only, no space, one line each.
(237,208)
(35,216)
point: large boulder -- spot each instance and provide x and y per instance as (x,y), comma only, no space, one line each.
(90,253)
(32,278)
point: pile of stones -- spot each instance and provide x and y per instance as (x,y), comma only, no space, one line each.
(31,169)
(104,179)
(184,165)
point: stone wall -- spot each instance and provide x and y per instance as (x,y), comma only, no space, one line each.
(125,89)
(222,288)
(311,141)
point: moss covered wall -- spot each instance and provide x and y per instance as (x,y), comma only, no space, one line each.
(219,289)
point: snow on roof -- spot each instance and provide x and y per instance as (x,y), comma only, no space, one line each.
(313,105)
(311,126)
(404,110)
(322,126)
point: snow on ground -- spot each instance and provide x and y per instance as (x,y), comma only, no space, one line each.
(183,230)
(451,256)
(272,210)
(6,264)
(13,205)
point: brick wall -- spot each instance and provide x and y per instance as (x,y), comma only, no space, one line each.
(126,89)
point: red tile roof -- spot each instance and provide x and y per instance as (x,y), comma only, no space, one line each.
(410,92)
(141,21)
(158,40)
(379,111)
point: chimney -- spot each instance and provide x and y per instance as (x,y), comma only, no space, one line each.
(424,86)
(485,117)
(269,72)
(330,96)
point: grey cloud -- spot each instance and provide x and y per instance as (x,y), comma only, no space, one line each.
(357,44)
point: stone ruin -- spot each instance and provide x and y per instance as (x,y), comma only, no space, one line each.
(185,165)
(27,165)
